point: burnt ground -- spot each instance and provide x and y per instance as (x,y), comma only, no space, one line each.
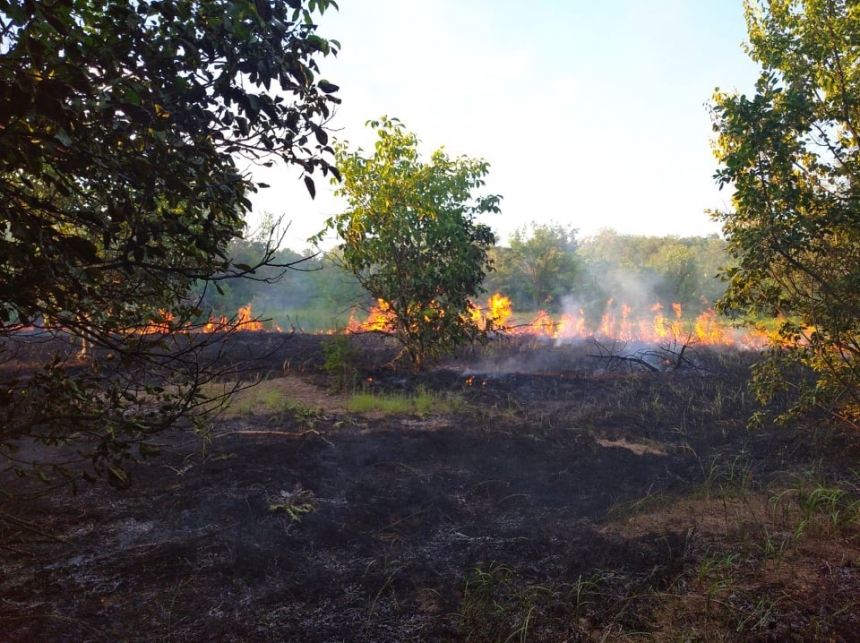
(556,493)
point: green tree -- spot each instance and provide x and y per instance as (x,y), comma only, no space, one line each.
(675,268)
(792,155)
(411,237)
(547,262)
(122,125)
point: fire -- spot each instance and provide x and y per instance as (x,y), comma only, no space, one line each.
(245,320)
(215,325)
(495,315)
(500,310)
(380,319)
(163,326)
(624,324)
(619,322)
(242,321)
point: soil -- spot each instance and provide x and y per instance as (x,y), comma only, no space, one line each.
(556,494)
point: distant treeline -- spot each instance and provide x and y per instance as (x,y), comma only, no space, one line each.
(543,267)
(549,268)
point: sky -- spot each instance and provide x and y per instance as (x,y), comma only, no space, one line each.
(592,113)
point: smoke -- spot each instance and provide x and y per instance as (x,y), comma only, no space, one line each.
(613,293)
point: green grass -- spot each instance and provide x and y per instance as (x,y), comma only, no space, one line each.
(268,397)
(421,403)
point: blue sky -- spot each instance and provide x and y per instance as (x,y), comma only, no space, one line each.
(591,113)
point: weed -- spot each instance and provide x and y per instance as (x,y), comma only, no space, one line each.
(581,594)
(269,397)
(649,502)
(734,481)
(497,607)
(302,413)
(294,503)
(830,509)
(390,568)
(169,607)
(758,617)
(481,592)
(341,360)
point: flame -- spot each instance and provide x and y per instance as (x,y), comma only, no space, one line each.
(159,327)
(620,322)
(623,323)
(380,319)
(500,309)
(243,321)
(495,315)
(215,325)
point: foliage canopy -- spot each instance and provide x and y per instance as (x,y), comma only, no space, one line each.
(411,237)
(122,126)
(543,264)
(792,154)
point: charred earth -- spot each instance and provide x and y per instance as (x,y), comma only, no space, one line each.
(547,492)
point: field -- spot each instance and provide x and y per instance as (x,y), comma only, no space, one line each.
(525,491)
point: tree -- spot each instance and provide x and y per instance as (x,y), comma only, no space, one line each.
(792,154)
(546,260)
(121,128)
(411,238)
(675,268)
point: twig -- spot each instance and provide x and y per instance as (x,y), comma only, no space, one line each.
(278,433)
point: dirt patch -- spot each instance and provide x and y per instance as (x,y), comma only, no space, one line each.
(660,513)
(638,449)
(287,391)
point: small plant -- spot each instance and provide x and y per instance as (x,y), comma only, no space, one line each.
(582,593)
(775,546)
(830,509)
(483,597)
(735,481)
(496,607)
(390,568)
(302,413)
(294,503)
(341,358)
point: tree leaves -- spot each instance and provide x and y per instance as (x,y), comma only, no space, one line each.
(124,126)
(309,184)
(410,236)
(792,155)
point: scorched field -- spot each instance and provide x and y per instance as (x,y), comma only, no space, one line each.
(528,491)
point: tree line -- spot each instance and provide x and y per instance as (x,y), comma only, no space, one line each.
(541,267)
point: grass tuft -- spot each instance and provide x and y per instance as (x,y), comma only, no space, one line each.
(421,403)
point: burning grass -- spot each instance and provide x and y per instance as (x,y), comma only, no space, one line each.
(620,322)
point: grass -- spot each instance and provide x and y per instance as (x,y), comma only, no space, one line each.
(831,508)
(276,397)
(420,403)
(273,397)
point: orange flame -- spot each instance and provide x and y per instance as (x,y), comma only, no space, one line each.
(216,325)
(159,327)
(620,322)
(244,321)
(380,319)
(624,324)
